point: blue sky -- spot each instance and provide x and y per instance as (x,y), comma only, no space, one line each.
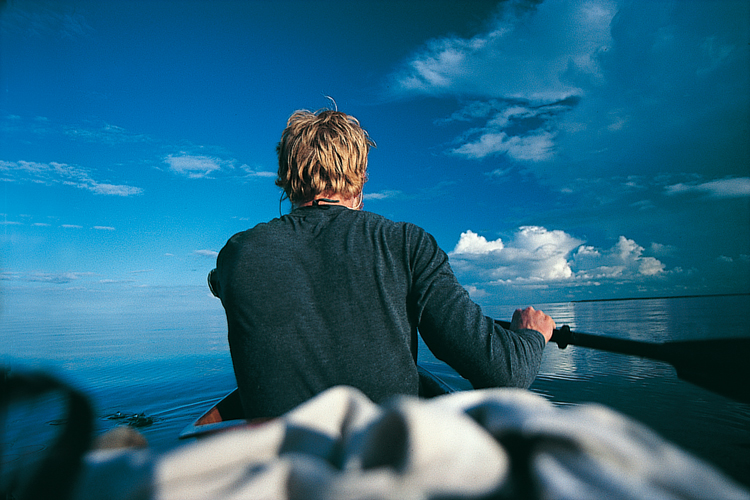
(557,150)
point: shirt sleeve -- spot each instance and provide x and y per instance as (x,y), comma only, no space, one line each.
(458,333)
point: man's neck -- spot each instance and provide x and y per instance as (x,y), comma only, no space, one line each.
(355,203)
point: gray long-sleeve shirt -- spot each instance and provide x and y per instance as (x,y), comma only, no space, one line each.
(329,296)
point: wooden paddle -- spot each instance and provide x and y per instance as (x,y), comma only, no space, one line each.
(719,365)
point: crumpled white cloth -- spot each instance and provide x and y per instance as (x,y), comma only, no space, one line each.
(496,443)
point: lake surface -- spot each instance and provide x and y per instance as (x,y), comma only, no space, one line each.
(172,365)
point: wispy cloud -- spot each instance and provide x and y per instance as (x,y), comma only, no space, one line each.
(194,166)
(200,166)
(521,74)
(429,192)
(104,228)
(383,195)
(252,172)
(41,277)
(61,174)
(522,131)
(104,134)
(514,59)
(738,187)
(206,253)
(37,20)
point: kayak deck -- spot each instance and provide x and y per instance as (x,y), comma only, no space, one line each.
(228,412)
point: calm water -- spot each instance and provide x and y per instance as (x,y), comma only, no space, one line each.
(172,365)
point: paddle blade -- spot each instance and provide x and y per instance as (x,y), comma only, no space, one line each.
(719,365)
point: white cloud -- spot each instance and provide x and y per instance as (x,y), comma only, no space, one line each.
(71,226)
(737,187)
(383,195)
(206,253)
(194,166)
(624,260)
(650,266)
(104,228)
(659,249)
(115,190)
(535,147)
(61,173)
(430,192)
(534,255)
(255,172)
(472,243)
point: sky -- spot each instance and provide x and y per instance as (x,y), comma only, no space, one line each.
(557,150)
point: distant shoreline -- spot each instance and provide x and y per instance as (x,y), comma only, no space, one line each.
(666,297)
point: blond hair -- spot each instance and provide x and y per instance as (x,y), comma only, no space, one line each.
(322,152)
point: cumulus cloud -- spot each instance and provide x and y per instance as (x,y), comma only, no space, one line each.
(624,260)
(54,173)
(472,243)
(535,254)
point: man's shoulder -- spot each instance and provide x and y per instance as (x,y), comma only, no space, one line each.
(385,221)
(409,233)
(253,236)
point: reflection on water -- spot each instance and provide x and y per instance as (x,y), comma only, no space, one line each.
(709,425)
(712,426)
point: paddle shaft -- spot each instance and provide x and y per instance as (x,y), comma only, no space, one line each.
(564,337)
(719,365)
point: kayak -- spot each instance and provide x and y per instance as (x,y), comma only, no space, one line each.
(228,414)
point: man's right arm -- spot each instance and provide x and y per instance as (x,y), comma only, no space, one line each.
(457,332)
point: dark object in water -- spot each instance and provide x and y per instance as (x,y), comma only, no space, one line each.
(133,420)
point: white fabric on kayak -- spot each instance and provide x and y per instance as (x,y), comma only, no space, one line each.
(495,443)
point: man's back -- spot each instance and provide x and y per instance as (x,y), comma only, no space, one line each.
(316,299)
(331,296)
